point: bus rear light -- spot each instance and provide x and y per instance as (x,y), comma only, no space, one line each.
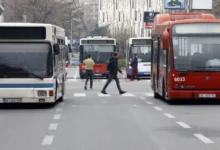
(51,93)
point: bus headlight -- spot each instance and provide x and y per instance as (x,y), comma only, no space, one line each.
(41,93)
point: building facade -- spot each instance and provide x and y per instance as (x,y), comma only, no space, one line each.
(127,15)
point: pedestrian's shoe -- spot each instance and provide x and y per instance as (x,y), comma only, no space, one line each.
(122,92)
(85,87)
(104,92)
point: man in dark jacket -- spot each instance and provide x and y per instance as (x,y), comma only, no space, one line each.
(113,71)
(134,66)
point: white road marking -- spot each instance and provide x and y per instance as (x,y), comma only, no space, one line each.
(150,103)
(135,106)
(59,109)
(142,98)
(184,125)
(100,94)
(128,94)
(169,115)
(79,94)
(74,106)
(104,80)
(48,140)
(56,117)
(203,138)
(72,80)
(158,108)
(150,94)
(53,126)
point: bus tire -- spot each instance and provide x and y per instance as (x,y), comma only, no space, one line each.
(63,91)
(156,95)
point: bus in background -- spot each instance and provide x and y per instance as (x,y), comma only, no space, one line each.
(142,47)
(101,50)
(186,56)
(32,64)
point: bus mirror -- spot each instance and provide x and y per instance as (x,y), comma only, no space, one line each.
(56,49)
(165,40)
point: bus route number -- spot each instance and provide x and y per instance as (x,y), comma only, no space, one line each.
(179,79)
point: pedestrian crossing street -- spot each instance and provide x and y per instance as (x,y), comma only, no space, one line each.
(105,80)
(82,94)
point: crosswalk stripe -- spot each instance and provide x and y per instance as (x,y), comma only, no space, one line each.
(150,94)
(105,95)
(79,94)
(128,94)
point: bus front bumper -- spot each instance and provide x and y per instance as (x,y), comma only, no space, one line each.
(197,94)
(26,95)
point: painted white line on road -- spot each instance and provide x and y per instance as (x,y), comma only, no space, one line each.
(59,109)
(158,108)
(71,80)
(74,106)
(142,98)
(56,117)
(104,80)
(100,94)
(150,94)
(150,103)
(184,125)
(169,115)
(128,94)
(135,106)
(53,126)
(48,140)
(79,94)
(203,138)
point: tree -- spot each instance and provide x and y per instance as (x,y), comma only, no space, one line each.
(121,38)
(43,11)
(100,31)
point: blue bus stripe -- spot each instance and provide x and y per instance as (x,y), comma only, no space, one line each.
(20,85)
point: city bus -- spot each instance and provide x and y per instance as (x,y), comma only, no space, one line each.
(101,50)
(142,47)
(185,56)
(32,63)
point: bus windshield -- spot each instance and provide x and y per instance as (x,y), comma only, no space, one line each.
(99,53)
(196,52)
(143,52)
(25,60)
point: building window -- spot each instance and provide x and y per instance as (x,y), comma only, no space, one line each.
(116,5)
(140,17)
(100,4)
(103,17)
(132,3)
(119,16)
(135,15)
(149,3)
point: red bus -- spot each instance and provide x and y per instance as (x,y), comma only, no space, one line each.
(101,50)
(185,56)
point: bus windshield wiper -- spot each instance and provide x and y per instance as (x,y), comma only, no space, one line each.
(30,73)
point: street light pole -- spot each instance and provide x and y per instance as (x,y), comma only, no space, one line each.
(71,33)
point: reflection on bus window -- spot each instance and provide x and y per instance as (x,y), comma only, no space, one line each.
(143,52)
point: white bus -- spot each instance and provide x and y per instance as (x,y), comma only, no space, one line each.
(142,47)
(32,63)
(101,50)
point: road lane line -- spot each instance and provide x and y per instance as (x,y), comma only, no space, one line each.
(203,138)
(135,106)
(150,94)
(158,108)
(184,125)
(53,126)
(150,103)
(74,106)
(142,98)
(56,117)
(79,94)
(59,109)
(48,140)
(169,115)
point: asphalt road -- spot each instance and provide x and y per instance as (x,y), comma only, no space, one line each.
(88,120)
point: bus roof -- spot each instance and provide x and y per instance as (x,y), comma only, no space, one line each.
(161,21)
(97,38)
(3,24)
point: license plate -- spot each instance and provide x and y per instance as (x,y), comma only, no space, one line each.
(207,95)
(98,74)
(12,100)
